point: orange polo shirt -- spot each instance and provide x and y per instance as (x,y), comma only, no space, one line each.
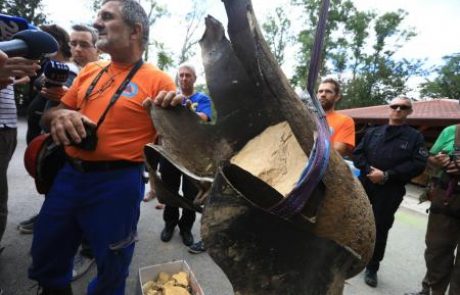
(342,128)
(127,126)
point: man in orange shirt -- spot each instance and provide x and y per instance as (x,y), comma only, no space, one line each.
(342,126)
(98,191)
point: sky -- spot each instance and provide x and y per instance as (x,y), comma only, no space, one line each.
(436,22)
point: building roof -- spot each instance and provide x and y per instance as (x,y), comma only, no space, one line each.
(436,112)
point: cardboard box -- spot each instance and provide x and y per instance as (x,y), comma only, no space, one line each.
(151,272)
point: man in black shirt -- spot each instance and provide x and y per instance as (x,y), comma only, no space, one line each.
(389,156)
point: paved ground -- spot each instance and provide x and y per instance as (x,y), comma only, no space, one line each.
(401,271)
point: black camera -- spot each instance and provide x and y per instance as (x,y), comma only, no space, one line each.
(56,73)
(88,143)
(455,155)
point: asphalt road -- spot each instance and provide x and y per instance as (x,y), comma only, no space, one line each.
(401,271)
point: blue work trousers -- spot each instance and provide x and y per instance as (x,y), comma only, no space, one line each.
(102,206)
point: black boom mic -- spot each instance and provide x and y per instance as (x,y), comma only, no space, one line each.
(31,44)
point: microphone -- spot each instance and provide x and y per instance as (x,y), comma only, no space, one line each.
(56,73)
(10,25)
(31,44)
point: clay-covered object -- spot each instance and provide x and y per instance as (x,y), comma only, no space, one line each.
(345,215)
(310,253)
(262,254)
(241,112)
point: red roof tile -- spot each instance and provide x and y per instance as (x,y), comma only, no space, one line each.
(434,112)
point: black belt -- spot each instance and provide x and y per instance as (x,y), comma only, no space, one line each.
(93,166)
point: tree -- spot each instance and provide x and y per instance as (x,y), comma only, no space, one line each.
(31,10)
(193,20)
(447,83)
(338,13)
(277,33)
(155,12)
(96,5)
(377,77)
(359,49)
(164,57)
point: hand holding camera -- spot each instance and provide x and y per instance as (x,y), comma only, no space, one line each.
(454,165)
(69,127)
(89,142)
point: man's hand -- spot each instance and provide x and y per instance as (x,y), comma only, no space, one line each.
(4,80)
(440,160)
(22,81)
(164,99)
(67,126)
(54,93)
(376,175)
(15,67)
(453,167)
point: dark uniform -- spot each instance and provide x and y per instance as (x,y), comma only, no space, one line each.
(400,152)
(171,177)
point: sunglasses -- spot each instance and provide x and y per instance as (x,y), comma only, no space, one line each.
(402,107)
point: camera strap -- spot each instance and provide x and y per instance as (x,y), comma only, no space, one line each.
(119,91)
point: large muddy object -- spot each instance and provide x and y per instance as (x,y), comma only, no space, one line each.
(310,253)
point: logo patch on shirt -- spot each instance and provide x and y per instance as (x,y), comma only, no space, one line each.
(403,145)
(423,152)
(131,90)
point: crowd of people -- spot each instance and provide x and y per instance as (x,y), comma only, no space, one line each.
(90,213)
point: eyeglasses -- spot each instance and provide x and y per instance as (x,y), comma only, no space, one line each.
(402,107)
(83,44)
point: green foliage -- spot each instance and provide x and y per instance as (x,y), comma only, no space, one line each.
(154,13)
(164,58)
(339,12)
(96,5)
(198,87)
(359,48)
(277,33)
(447,82)
(31,10)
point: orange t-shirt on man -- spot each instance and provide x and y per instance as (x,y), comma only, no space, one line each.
(342,128)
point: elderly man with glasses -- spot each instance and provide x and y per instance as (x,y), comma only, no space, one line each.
(389,156)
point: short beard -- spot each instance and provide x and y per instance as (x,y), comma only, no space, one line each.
(327,105)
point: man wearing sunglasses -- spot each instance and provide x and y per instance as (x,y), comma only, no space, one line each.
(389,156)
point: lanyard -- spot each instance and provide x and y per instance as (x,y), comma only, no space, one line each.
(119,91)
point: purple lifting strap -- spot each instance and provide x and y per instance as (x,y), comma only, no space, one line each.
(319,157)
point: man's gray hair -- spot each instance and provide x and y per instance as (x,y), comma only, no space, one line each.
(133,13)
(85,28)
(403,97)
(187,66)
